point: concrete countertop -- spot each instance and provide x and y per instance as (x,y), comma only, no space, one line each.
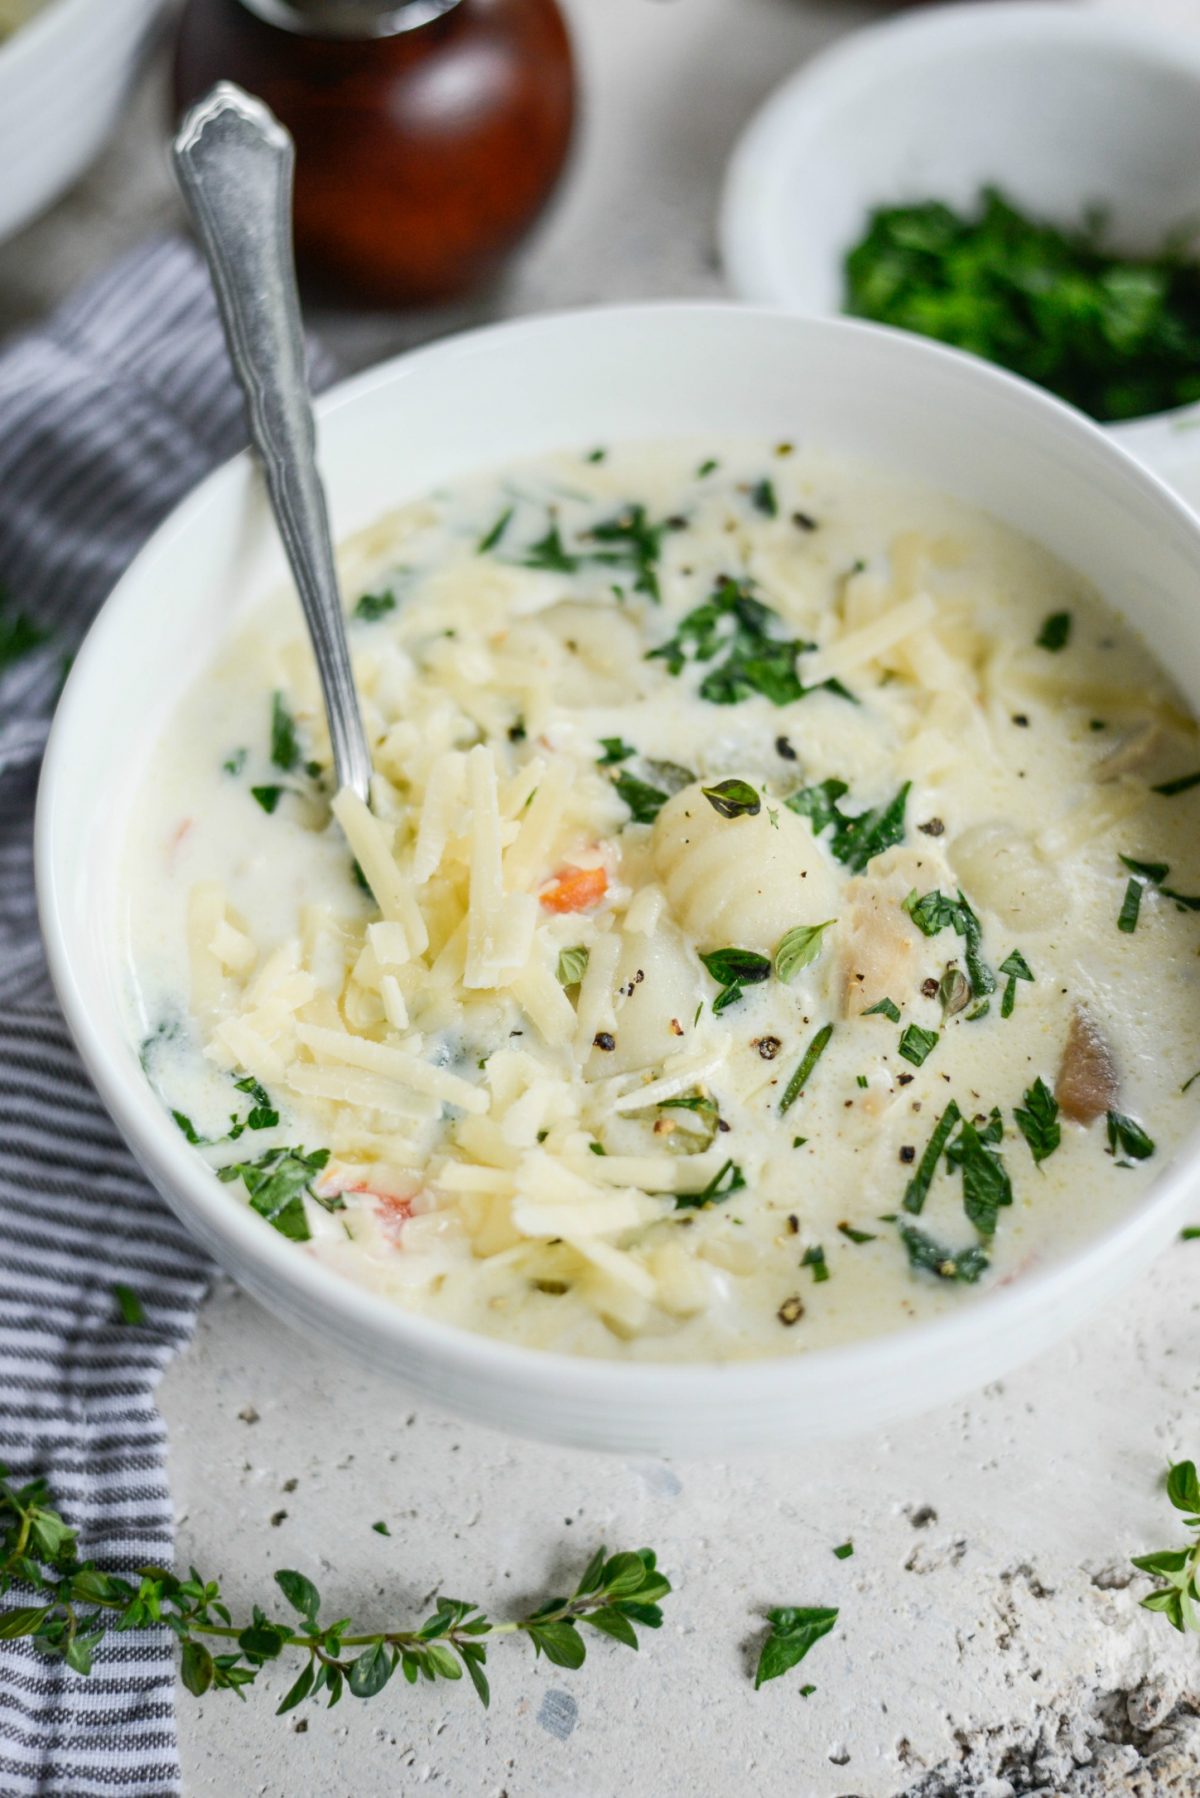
(989,1642)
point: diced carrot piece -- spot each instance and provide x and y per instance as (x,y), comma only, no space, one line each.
(575,889)
(393,1214)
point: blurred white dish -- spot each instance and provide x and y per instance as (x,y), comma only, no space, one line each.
(1062,107)
(64,77)
(493,397)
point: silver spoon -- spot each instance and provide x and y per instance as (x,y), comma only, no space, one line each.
(234,162)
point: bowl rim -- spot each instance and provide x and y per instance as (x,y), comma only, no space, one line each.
(190,1187)
(882,51)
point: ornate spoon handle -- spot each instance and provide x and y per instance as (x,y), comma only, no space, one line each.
(234,162)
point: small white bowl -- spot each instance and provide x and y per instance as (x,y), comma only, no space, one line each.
(1062,107)
(64,78)
(520,390)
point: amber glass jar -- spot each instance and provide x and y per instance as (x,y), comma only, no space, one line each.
(429,133)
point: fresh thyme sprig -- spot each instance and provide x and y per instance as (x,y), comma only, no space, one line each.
(75,1604)
(1178,1569)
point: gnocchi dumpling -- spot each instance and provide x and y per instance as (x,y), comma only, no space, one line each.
(743,881)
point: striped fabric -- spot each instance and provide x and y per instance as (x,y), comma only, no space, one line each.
(107,416)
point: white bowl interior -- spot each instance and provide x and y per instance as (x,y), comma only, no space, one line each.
(496,396)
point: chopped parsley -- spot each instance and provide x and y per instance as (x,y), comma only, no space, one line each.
(267,797)
(1055,633)
(934,912)
(233,764)
(986,1185)
(886,1008)
(735,626)
(916,1045)
(615,750)
(728,1179)
(814,1258)
(856,839)
(285,745)
(276,1183)
(1037,1120)
(707,467)
(857,1236)
(1116,335)
(763,498)
(1131,905)
(644,801)
(492,537)
(1017,968)
(799,948)
(812,1056)
(844,1550)
(374,606)
(964,1265)
(631,541)
(917,1190)
(549,554)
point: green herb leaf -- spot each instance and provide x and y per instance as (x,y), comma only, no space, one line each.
(196,1668)
(374,606)
(129,1304)
(644,801)
(1131,905)
(857,1236)
(572,965)
(917,1044)
(762,498)
(799,1079)
(734,624)
(549,553)
(986,1185)
(276,1183)
(1055,632)
(233,764)
(285,745)
(491,538)
(794,1630)
(815,1259)
(917,1190)
(744,965)
(614,751)
(856,840)
(1153,871)
(733,799)
(886,1008)
(267,797)
(300,1593)
(963,1265)
(1126,1134)
(844,1551)
(1038,1122)
(799,948)
(728,1179)
(934,912)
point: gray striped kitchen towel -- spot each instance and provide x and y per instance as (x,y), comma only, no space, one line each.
(108,415)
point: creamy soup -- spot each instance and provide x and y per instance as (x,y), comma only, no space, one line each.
(773,921)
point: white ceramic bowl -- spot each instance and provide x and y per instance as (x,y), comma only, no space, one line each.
(1063,107)
(64,78)
(513,391)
